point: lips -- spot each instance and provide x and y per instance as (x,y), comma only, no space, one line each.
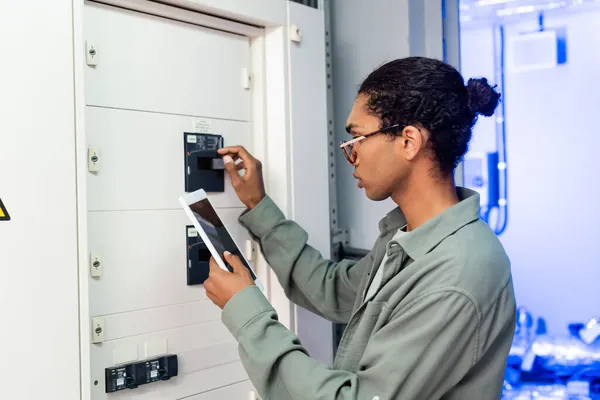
(359,181)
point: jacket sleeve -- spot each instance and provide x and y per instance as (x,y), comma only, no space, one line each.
(419,354)
(324,287)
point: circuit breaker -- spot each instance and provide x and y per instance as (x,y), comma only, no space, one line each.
(130,376)
(198,257)
(204,168)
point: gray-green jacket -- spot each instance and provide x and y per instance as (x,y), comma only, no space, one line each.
(440,326)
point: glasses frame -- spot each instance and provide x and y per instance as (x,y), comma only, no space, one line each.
(347,146)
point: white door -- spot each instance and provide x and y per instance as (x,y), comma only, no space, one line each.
(155,79)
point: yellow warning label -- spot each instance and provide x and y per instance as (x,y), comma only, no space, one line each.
(3,212)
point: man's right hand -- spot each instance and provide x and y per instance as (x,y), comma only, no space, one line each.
(249,188)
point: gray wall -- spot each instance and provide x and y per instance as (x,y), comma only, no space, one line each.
(365,34)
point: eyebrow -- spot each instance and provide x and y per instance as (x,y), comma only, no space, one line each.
(350,128)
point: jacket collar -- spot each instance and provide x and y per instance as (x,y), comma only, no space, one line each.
(427,236)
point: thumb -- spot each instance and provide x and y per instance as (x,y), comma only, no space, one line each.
(232,170)
(235,262)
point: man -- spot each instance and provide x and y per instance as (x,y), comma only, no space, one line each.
(431,309)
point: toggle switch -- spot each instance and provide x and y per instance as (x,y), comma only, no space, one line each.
(204,168)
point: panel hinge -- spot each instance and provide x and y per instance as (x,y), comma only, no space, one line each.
(97,330)
(246,79)
(295,34)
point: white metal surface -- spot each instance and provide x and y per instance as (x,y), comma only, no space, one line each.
(240,391)
(172,317)
(38,256)
(143,158)
(144,256)
(165,66)
(309,153)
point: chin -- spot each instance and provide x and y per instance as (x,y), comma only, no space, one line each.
(375,196)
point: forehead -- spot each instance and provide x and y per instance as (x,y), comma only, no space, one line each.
(359,119)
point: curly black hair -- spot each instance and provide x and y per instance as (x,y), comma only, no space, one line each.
(430,93)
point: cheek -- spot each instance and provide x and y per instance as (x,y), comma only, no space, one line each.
(379,164)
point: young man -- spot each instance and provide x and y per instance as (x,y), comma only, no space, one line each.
(431,309)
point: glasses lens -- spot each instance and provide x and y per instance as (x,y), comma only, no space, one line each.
(349,152)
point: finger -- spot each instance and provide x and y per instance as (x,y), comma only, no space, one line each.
(235,262)
(238,151)
(214,267)
(232,171)
(210,294)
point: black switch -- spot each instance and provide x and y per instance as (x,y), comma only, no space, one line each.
(198,257)
(133,375)
(204,167)
(116,379)
(169,367)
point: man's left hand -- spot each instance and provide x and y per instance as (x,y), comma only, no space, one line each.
(222,285)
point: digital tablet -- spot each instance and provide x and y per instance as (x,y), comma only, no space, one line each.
(213,232)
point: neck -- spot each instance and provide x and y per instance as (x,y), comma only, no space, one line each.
(422,199)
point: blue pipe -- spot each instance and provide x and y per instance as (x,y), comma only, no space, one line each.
(502,204)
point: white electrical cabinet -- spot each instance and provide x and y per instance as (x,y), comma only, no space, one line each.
(151,80)
(147,80)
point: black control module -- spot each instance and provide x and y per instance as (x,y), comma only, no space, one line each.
(132,375)
(204,167)
(198,257)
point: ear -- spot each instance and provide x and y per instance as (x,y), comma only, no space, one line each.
(411,142)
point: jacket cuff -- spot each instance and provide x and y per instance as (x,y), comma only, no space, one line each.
(263,218)
(243,307)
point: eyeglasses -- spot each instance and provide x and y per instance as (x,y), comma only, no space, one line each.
(347,146)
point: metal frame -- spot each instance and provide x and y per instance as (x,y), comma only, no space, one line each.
(184,15)
(338,236)
(451,52)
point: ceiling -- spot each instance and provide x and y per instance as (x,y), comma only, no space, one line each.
(490,11)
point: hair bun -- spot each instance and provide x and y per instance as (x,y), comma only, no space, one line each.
(483,98)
